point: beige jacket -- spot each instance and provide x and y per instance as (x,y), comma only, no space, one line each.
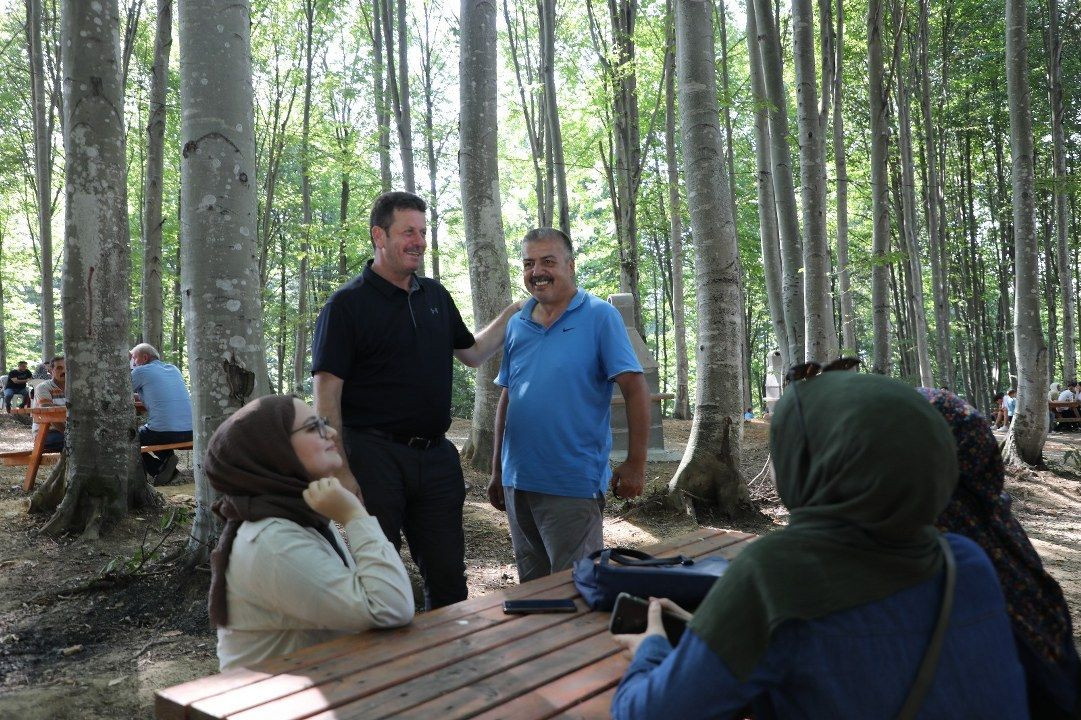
(286,588)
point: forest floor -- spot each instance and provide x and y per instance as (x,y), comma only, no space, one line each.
(67,652)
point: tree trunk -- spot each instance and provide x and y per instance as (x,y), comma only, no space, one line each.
(429,137)
(481,206)
(820,338)
(382,114)
(769,49)
(1062,219)
(300,347)
(880,211)
(398,84)
(908,211)
(96,279)
(551,112)
(153,306)
(43,176)
(708,478)
(682,406)
(1024,441)
(939,281)
(767,206)
(221,288)
(840,164)
(3,332)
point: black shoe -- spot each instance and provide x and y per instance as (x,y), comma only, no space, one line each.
(168,472)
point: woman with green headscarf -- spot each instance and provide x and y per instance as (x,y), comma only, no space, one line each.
(832,615)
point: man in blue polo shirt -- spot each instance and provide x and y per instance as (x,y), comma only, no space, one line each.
(561,355)
(161,388)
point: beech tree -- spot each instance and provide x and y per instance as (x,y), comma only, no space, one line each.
(220,280)
(43,174)
(153,308)
(1025,438)
(708,477)
(481,207)
(880,212)
(96,285)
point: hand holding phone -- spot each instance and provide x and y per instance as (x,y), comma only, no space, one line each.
(630,616)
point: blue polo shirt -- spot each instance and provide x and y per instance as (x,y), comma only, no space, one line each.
(558,428)
(161,388)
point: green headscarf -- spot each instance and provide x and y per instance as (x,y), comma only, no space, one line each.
(865,465)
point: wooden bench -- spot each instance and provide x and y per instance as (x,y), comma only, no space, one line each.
(462,661)
(1055,407)
(33,459)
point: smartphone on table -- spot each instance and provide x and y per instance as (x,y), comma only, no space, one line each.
(529,606)
(630,616)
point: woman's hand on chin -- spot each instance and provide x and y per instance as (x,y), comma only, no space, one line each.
(327,497)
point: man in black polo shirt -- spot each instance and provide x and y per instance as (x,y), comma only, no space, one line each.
(16,385)
(381,361)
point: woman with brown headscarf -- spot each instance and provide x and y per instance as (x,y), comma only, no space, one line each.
(282,578)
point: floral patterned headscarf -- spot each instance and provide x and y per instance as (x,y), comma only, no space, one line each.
(980,510)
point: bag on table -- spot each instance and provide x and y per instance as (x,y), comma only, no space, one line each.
(606,573)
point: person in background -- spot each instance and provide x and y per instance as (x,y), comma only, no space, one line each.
(15,384)
(999,416)
(1009,404)
(49,394)
(749,414)
(161,388)
(1054,391)
(832,615)
(281,577)
(980,509)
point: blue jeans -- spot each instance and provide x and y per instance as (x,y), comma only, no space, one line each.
(10,393)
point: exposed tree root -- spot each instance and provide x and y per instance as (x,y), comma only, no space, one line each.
(48,495)
(92,529)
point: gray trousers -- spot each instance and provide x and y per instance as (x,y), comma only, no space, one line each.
(550,532)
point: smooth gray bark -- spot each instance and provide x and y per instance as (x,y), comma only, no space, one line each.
(398,86)
(769,49)
(1062,218)
(936,240)
(153,307)
(96,285)
(880,204)
(427,66)
(908,210)
(821,336)
(767,206)
(551,112)
(708,478)
(682,406)
(382,114)
(43,175)
(220,281)
(1024,441)
(481,206)
(300,346)
(840,164)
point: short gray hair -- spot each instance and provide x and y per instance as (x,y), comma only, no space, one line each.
(545,233)
(146,349)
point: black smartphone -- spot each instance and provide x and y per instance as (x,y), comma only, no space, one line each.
(524,607)
(630,616)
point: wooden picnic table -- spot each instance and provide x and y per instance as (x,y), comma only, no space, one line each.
(50,415)
(1056,407)
(467,660)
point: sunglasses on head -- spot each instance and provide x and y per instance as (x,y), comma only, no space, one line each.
(808,370)
(314,424)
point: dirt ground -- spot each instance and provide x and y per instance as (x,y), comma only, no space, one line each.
(101,653)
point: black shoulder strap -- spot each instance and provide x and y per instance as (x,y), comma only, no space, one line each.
(926,674)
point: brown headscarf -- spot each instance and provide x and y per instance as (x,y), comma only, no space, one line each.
(251,462)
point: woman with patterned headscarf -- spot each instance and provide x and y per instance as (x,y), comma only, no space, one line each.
(833,616)
(281,577)
(980,509)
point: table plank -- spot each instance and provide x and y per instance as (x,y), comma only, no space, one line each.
(349,670)
(566,693)
(594,708)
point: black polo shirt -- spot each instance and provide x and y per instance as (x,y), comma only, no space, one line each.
(393,349)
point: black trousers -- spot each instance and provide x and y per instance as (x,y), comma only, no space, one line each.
(420,492)
(151,464)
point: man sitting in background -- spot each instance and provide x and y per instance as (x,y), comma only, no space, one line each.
(15,384)
(168,406)
(49,394)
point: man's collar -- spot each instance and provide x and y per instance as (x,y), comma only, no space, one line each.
(385,286)
(575,303)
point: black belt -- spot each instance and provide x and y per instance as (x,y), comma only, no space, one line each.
(416,442)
